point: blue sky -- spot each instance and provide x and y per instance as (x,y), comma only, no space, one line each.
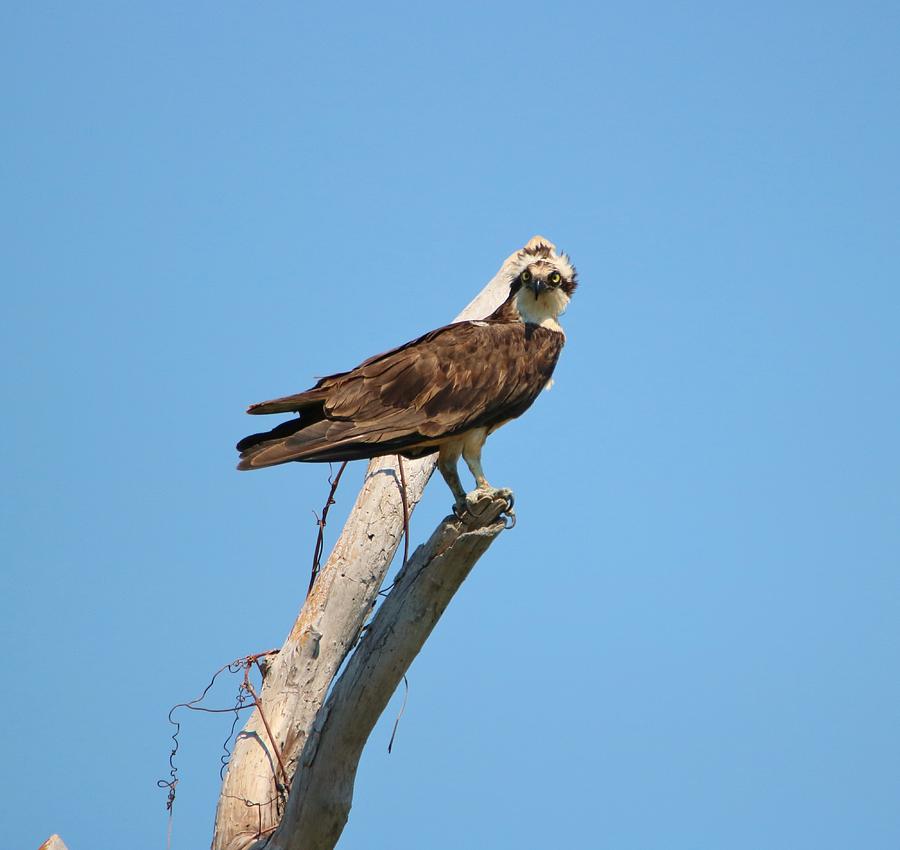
(690,639)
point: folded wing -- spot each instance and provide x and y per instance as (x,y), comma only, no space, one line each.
(409,399)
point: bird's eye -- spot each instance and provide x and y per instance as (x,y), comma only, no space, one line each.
(526,276)
(554,278)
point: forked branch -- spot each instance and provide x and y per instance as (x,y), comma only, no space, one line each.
(322,791)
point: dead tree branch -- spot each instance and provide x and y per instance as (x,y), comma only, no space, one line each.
(322,791)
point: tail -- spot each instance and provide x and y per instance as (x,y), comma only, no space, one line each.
(289,440)
(310,438)
(314,438)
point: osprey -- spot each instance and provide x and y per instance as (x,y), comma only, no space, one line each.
(443,392)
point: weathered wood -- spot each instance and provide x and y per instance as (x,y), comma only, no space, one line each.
(322,791)
(327,627)
(54,842)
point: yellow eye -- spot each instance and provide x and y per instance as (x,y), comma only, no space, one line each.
(526,276)
(554,278)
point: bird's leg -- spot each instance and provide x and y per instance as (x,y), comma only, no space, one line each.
(471,452)
(448,457)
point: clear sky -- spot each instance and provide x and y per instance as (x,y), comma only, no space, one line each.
(690,640)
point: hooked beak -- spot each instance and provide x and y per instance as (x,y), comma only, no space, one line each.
(537,286)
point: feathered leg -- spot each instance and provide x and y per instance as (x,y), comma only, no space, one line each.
(448,457)
(471,452)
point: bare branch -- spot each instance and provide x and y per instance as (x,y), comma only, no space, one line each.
(323,789)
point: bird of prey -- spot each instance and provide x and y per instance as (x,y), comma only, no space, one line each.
(444,392)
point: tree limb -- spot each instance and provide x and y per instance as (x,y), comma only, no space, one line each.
(322,790)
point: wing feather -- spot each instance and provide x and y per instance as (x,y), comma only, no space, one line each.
(462,376)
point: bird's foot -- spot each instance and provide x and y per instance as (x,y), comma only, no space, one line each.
(479,500)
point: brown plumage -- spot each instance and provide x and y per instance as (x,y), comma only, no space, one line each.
(444,391)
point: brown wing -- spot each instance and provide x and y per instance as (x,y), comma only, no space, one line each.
(462,376)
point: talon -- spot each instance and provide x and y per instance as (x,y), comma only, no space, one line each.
(510,512)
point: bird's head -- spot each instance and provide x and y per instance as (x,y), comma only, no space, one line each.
(543,281)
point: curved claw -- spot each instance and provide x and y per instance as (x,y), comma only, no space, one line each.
(509,513)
